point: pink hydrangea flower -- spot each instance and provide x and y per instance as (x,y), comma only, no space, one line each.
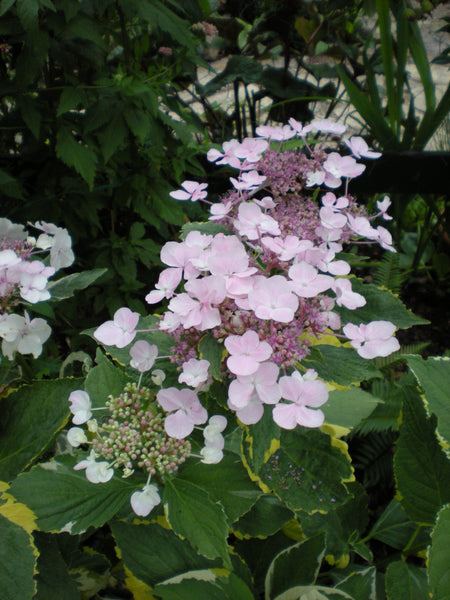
(186,411)
(143,355)
(345,296)
(305,394)
(246,353)
(359,148)
(374,339)
(192,191)
(306,280)
(382,206)
(195,372)
(248,180)
(276,133)
(272,298)
(253,223)
(167,283)
(120,331)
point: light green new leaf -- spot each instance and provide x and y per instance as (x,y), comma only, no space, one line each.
(17,562)
(406,582)
(296,565)
(66,286)
(194,585)
(154,554)
(421,467)
(193,514)
(31,417)
(64,500)
(76,154)
(433,376)
(227,482)
(439,556)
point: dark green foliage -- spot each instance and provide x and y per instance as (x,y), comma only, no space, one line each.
(87,135)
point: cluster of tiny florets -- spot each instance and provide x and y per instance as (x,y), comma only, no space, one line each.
(133,435)
(285,171)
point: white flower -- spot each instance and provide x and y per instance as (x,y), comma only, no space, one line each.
(158,377)
(76,437)
(143,502)
(23,335)
(143,356)
(95,472)
(80,407)
(211,455)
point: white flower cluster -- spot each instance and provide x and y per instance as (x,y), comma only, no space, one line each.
(24,279)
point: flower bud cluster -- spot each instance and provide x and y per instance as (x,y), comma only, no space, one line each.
(133,435)
(24,278)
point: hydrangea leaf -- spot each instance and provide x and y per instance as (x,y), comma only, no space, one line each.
(439,556)
(406,582)
(210,350)
(395,529)
(207,228)
(347,408)
(154,554)
(193,514)
(64,500)
(17,561)
(31,417)
(433,376)
(360,584)
(261,440)
(421,467)
(204,584)
(297,565)
(307,471)
(265,517)
(53,579)
(103,380)
(381,305)
(343,525)
(340,365)
(227,482)
(66,286)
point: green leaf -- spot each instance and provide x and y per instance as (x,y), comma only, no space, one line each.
(193,514)
(158,15)
(30,114)
(433,376)
(406,582)
(439,556)
(347,408)
(66,286)
(154,554)
(261,440)
(194,585)
(17,561)
(240,67)
(307,472)
(396,530)
(207,228)
(103,380)
(265,517)
(381,305)
(31,417)
(422,469)
(342,525)
(27,11)
(227,482)
(340,365)
(70,99)
(76,154)
(360,584)
(5,5)
(296,565)
(53,579)
(64,500)
(210,350)
(10,186)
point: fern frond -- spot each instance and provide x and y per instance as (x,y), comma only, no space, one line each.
(389,274)
(372,455)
